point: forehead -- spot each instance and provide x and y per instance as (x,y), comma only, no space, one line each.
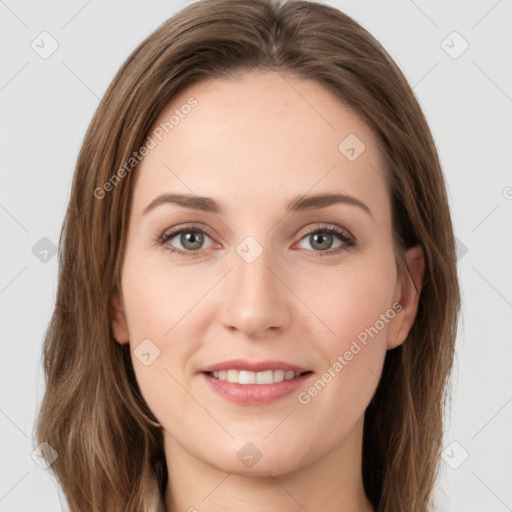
(258,140)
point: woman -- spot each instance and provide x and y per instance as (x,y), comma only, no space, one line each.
(258,296)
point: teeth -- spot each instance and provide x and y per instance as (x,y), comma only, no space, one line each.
(247,377)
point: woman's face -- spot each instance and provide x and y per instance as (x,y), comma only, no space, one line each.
(261,278)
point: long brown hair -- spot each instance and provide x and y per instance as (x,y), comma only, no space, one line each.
(109,445)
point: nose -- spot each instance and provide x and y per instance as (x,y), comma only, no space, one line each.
(256,300)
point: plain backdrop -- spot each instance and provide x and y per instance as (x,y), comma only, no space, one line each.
(457,55)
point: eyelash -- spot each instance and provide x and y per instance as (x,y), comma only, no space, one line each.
(348,241)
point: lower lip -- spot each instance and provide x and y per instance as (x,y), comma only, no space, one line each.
(255,394)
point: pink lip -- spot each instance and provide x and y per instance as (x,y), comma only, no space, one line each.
(255,394)
(261,366)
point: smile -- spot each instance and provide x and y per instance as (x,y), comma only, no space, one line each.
(248,377)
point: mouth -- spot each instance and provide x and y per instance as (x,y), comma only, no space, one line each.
(255,388)
(247,377)
(250,382)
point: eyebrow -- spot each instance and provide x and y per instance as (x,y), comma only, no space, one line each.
(300,203)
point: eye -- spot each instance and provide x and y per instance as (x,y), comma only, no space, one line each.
(190,238)
(322,238)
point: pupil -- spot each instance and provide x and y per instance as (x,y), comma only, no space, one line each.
(192,237)
(326,238)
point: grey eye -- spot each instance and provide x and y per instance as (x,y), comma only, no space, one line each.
(321,240)
(190,239)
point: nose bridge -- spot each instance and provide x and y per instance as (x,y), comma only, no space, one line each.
(256,299)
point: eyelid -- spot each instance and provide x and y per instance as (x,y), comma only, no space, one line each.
(328,227)
(195,226)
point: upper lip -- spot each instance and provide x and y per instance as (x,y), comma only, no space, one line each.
(253,366)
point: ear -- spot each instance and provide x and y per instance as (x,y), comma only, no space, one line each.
(119,325)
(407,293)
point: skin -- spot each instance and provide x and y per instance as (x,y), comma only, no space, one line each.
(253,143)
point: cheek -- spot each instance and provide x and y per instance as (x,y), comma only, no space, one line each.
(160,353)
(156,314)
(356,305)
(351,298)
(156,300)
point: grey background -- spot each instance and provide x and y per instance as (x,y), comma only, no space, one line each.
(46,105)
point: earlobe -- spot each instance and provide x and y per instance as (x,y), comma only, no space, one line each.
(408,291)
(118,319)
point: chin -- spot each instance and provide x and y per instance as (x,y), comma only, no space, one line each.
(247,459)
